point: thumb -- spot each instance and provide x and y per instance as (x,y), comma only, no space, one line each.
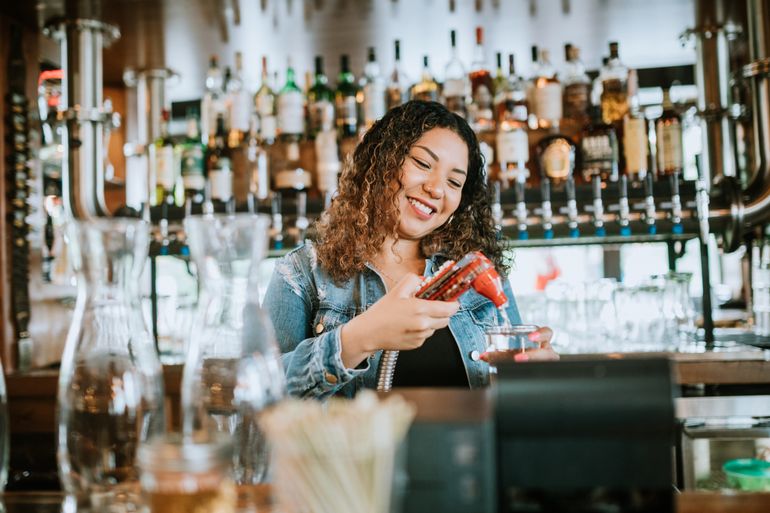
(406,286)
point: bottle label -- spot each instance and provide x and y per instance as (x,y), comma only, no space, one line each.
(347,111)
(455,87)
(291,113)
(374,102)
(557,160)
(635,146)
(267,127)
(576,100)
(547,101)
(240,111)
(328,161)
(394,97)
(221,180)
(599,156)
(164,167)
(669,147)
(512,147)
(193,177)
(265,105)
(321,116)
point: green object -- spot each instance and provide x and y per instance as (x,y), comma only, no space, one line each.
(748,474)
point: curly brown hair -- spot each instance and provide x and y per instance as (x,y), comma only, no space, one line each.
(365,211)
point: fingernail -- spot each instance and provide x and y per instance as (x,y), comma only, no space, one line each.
(521,357)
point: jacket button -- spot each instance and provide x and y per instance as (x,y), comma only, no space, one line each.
(319,328)
(331,378)
(475,356)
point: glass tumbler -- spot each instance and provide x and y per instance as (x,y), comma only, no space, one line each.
(110,396)
(180,475)
(233,370)
(505,342)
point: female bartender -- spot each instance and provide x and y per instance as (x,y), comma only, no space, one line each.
(413,195)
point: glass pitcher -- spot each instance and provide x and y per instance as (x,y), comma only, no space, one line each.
(110,383)
(233,369)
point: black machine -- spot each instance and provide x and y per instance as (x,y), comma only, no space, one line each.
(582,435)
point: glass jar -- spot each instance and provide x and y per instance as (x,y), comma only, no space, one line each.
(179,475)
(233,369)
(110,384)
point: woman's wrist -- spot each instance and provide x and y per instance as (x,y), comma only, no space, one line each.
(354,348)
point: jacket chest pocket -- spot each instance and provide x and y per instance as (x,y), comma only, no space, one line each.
(483,313)
(329,317)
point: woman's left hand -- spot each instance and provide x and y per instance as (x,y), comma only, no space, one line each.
(543,336)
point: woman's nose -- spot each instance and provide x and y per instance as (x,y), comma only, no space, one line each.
(435,190)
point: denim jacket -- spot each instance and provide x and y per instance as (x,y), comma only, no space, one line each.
(308,309)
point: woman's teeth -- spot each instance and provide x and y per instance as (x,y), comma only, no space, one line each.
(421,206)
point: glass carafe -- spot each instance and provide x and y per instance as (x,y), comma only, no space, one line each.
(110,382)
(233,369)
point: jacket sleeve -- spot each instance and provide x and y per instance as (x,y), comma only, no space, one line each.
(313,364)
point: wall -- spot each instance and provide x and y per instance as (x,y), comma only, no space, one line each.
(647,30)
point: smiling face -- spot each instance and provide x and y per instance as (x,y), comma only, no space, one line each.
(432,179)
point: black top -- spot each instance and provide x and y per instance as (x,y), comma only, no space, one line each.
(437,363)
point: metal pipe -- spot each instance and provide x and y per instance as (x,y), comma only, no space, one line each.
(758,12)
(81,43)
(712,68)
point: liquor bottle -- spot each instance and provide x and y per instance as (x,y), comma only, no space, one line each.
(545,92)
(397,84)
(501,79)
(456,85)
(482,88)
(512,136)
(264,102)
(427,88)
(613,99)
(162,161)
(259,177)
(373,86)
(599,149)
(327,163)
(346,100)
(668,133)
(239,112)
(577,87)
(291,109)
(291,176)
(556,158)
(192,166)
(212,103)
(220,170)
(635,140)
(320,101)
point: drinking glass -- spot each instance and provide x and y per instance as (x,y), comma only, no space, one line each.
(503,343)
(110,396)
(233,370)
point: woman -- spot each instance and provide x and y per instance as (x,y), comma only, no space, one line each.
(413,195)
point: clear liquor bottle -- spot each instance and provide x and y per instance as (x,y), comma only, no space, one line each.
(456,85)
(482,88)
(501,78)
(320,101)
(192,155)
(219,169)
(614,92)
(636,151)
(397,83)
(576,99)
(512,139)
(265,105)
(239,112)
(511,99)
(427,88)
(291,108)
(373,86)
(213,101)
(545,92)
(347,100)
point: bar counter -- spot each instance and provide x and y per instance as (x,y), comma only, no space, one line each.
(686,502)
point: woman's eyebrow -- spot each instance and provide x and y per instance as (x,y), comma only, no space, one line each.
(435,157)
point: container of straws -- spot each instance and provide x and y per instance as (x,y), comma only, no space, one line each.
(342,456)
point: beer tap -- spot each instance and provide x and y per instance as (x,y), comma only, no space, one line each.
(497,207)
(598,205)
(623,208)
(676,205)
(572,210)
(277,220)
(546,211)
(668,129)
(649,205)
(521,205)
(301,223)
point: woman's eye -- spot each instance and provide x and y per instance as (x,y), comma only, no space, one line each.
(421,163)
(456,184)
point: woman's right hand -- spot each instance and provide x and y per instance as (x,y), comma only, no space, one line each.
(398,321)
